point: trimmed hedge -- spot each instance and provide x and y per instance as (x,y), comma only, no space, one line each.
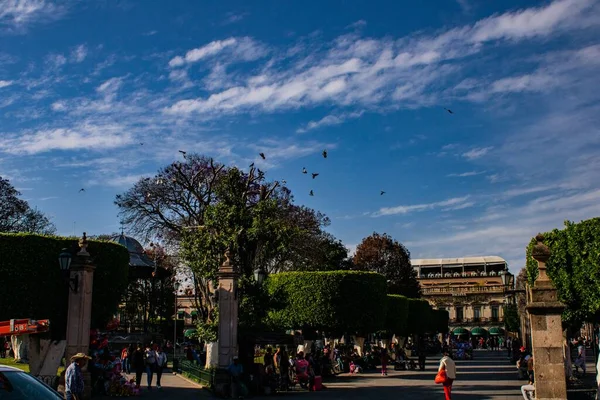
(33,287)
(439,321)
(397,314)
(335,302)
(419,316)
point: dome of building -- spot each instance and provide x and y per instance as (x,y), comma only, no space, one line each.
(140,265)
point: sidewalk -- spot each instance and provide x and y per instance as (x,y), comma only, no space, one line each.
(173,387)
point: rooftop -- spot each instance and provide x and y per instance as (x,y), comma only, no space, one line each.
(437,262)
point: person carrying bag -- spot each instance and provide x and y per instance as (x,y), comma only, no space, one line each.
(446,374)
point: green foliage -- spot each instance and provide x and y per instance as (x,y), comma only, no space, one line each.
(207,332)
(335,302)
(574,268)
(397,314)
(419,316)
(439,321)
(386,256)
(33,286)
(17,216)
(512,321)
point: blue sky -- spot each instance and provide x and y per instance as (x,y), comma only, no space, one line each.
(82,84)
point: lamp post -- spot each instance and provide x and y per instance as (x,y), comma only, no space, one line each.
(64,261)
(80,274)
(259,275)
(176,286)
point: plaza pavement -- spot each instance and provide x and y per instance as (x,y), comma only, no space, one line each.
(489,376)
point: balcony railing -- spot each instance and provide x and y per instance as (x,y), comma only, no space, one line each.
(478,321)
(463,291)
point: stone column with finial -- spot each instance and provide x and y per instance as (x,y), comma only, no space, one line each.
(545,311)
(228,311)
(80,309)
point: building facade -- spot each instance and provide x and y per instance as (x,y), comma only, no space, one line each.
(471,289)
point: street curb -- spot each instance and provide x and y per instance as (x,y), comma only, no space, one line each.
(190,381)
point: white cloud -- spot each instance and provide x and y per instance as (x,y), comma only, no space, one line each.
(383,73)
(532,22)
(17,14)
(59,106)
(79,53)
(455,203)
(110,86)
(476,153)
(329,120)
(202,52)
(466,174)
(84,137)
(5,83)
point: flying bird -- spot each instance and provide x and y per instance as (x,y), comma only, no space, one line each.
(183,152)
(304,171)
(252,165)
(382,193)
(311,193)
(314,175)
(449,111)
(262,155)
(141,144)
(324,153)
(81,190)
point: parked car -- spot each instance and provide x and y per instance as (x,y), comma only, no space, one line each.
(18,385)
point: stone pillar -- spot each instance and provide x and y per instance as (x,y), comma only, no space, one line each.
(545,311)
(80,309)
(228,312)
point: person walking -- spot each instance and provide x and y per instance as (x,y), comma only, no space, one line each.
(447,364)
(74,385)
(137,363)
(161,363)
(125,360)
(384,362)
(150,357)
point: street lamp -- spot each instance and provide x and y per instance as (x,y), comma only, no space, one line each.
(176,286)
(260,275)
(64,261)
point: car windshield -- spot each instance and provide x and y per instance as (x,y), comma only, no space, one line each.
(16,385)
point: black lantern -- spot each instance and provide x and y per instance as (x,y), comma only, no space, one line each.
(64,261)
(505,276)
(260,275)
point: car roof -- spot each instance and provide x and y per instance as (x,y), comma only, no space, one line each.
(6,368)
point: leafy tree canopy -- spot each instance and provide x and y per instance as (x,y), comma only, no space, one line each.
(574,268)
(205,208)
(17,216)
(386,256)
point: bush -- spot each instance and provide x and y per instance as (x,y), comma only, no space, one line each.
(439,321)
(419,316)
(32,284)
(335,302)
(397,314)
(574,268)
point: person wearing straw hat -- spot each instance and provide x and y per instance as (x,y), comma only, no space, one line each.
(74,377)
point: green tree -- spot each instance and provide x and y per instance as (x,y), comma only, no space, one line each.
(17,216)
(334,302)
(512,321)
(386,256)
(202,208)
(574,268)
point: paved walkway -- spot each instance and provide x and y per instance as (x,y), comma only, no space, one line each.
(173,387)
(488,377)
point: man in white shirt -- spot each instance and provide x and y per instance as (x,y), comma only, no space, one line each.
(447,364)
